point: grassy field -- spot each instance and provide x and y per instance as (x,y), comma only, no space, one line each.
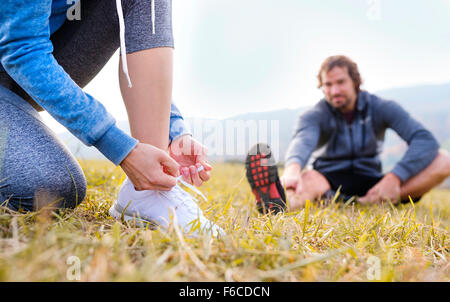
(332,243)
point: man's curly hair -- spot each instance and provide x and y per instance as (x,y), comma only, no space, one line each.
(341,61)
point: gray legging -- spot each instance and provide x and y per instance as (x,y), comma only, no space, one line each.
(36,169)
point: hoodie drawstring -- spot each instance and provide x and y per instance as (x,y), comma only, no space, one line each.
(123,49)
(153,17)
(363,139)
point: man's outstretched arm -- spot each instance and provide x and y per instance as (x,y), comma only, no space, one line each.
(304,141)
(422,145)
(305,138)
(422,150)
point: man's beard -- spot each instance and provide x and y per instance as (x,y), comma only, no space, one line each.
(342,103)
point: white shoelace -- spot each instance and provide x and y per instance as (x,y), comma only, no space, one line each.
(182,195)
(180,179)
(186,200)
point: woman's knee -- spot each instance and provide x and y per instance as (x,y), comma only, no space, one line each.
(64,189)
(36,169)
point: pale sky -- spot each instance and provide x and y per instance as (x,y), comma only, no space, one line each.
(237,56)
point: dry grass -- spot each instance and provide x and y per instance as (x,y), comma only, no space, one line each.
(332,243)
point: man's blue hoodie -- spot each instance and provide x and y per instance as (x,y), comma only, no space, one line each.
(26,55)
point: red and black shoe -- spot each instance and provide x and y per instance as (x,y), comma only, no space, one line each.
(262,175)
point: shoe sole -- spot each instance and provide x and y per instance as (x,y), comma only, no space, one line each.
(147,223)
(127,218)
(262,175)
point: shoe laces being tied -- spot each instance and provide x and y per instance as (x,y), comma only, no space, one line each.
(182,195)
(180,180)
(123,49)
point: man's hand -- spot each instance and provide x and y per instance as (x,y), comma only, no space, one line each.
(388,188)
(292,178)
(190,155)
(145,167)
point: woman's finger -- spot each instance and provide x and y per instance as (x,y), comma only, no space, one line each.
(203,162)
(170,165)
(165,183)
(195,177)
(186,175)
(204,174)
(164,180)
(151,187)
(207,166)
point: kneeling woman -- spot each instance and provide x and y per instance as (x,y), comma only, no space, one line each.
(46,60)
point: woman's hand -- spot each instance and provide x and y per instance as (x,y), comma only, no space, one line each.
(145,166)
(191,155)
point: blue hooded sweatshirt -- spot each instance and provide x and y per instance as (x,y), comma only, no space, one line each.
(26,55)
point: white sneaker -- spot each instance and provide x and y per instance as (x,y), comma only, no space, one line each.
(157,207)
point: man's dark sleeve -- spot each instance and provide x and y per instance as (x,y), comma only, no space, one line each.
(422,145)
(305,139)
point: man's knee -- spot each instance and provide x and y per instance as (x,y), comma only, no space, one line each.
(314,185)
(441,164)
(315,181)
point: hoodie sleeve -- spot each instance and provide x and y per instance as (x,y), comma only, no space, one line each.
(422,146)
(26,55)
(177,124)
(305,139)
